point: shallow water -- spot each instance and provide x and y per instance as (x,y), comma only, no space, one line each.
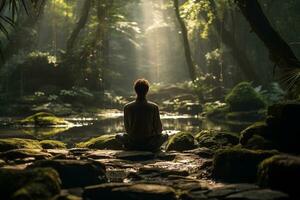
(107,123)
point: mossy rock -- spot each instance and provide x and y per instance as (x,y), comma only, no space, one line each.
(238,164)
(17,143)
(258,128)
(75,173)
(216,139)
(243,97)
(217,113)
(281,172)
(181,141)
(52,144)
(33,184)
(102,142)
(24,153)
(43,119)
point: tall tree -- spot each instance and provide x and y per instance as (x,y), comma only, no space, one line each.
(79,25)
(238,53)
(186,45)
(280,52)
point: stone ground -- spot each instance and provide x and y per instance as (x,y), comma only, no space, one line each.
(145,175)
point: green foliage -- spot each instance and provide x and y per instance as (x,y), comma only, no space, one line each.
(272,94)
(198,16)
(243,97)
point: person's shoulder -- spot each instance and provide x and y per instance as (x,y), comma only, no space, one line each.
(152,104)
(129,104)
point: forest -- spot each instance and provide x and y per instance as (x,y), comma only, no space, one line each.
(224,74)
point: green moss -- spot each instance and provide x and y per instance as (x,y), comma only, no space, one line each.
(216,139)
(102,142)
(52,144)
(16,143)
(44,119)
(29,184)
(24,153)
(243,97)
(238,164)
(281,172)
(181,141)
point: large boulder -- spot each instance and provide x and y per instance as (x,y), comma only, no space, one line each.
(237,164)
(33,184)
(130,192)
(280,130)
(75,173)
(281,172)
(17,143)
(216,139)
(101,142)
(181,141)
(243,97)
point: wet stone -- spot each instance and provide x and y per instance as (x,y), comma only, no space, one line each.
(76,173)
(24,153)
(264,194)
(130,192)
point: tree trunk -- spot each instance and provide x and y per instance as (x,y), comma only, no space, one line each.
(280,52)
(80,25)
(238,53)
(186,45)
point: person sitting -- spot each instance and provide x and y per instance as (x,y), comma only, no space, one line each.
(142,122)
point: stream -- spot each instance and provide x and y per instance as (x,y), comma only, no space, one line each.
(109,122)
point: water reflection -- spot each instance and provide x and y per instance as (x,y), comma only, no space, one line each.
(110,123)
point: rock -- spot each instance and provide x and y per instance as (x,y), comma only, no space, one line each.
(43,119)
(263,194)
(135,155)
(160,172)
(243,97)
(216,139)
(24,153)
(237,164)
(258,128)
(29,184)
(76,173)
(280,130)
(16,143)
(52,144)
(230,189)
(257,142)
(102,142)
(130,192)
(181,141)
(202,152)
(281,172)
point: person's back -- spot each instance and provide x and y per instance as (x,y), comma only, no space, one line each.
(142,122)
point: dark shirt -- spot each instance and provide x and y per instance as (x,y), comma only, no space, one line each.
(141,119)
